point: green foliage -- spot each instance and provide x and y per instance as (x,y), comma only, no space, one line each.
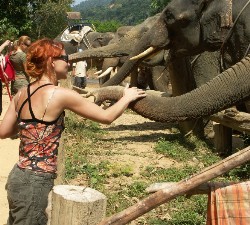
(127,12)
(81,128)
(240,173)
(175,146)
(170,174)
(52,14)
(117,170)
(77,132)
(7,30)
(37,18)
(106,26)
(158,5)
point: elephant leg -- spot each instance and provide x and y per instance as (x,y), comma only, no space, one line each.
(160,78)
(134,78)
(182,81)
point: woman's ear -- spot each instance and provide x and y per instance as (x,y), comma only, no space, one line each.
(50,61)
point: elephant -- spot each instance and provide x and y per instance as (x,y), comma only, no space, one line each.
(124,38)
(110,64)
(226,89)
(188,28)
(122,46)
(152,73)
(91,40)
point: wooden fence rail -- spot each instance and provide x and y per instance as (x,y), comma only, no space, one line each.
(180,188)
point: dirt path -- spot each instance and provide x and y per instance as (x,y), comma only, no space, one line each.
(8,157)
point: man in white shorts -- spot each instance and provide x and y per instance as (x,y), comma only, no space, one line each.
(79,71)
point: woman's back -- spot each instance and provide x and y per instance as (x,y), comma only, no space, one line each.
(39,137)
(17,60)
(42,102)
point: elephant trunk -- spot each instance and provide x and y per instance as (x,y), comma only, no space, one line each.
(107,51)
(223,91)
(148,40)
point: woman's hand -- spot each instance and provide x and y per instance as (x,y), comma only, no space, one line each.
(133,93)
(6,43)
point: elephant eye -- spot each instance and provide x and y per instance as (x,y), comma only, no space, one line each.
(170,18)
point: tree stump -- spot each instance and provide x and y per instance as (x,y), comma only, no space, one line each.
(76,205)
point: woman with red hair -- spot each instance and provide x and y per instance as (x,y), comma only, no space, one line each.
(37,112)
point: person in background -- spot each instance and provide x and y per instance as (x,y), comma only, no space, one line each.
(2,47)
(37,112)
(79,71)
(18,58)
(5,44)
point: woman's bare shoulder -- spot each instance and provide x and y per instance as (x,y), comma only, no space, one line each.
(66,93)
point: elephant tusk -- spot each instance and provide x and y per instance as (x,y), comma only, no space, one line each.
(143,54)
(98,72)
(106,72)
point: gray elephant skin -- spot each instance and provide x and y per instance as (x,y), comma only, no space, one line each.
(189,28)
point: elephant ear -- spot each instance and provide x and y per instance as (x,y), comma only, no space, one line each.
(215,21)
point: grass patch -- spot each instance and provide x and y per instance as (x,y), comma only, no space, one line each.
(81,136)
(90,154)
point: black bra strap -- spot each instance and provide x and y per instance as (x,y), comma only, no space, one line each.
(28,99)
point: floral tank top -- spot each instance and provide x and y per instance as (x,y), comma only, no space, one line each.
(39,139)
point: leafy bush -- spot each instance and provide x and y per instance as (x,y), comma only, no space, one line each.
(106,26)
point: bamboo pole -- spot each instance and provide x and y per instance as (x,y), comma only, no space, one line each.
(183,186)
(199,190)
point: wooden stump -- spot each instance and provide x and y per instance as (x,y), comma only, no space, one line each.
(75,205)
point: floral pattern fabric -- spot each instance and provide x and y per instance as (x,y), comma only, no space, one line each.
(39,144)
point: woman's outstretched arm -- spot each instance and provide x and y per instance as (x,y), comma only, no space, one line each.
(76,103)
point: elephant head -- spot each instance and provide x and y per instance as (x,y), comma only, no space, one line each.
(189,27)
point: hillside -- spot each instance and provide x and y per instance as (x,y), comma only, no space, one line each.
(127,12)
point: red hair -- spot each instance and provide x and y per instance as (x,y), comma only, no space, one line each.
(39,57)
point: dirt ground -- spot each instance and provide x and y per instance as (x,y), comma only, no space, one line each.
(8,157)
(131,132)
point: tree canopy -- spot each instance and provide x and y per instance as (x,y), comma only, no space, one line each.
(126,12)
(37,18)
(108,15)
(158,5)
(47,18)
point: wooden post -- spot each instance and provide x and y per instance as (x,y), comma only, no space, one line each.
(222,139)
(185,185)
(75,205)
